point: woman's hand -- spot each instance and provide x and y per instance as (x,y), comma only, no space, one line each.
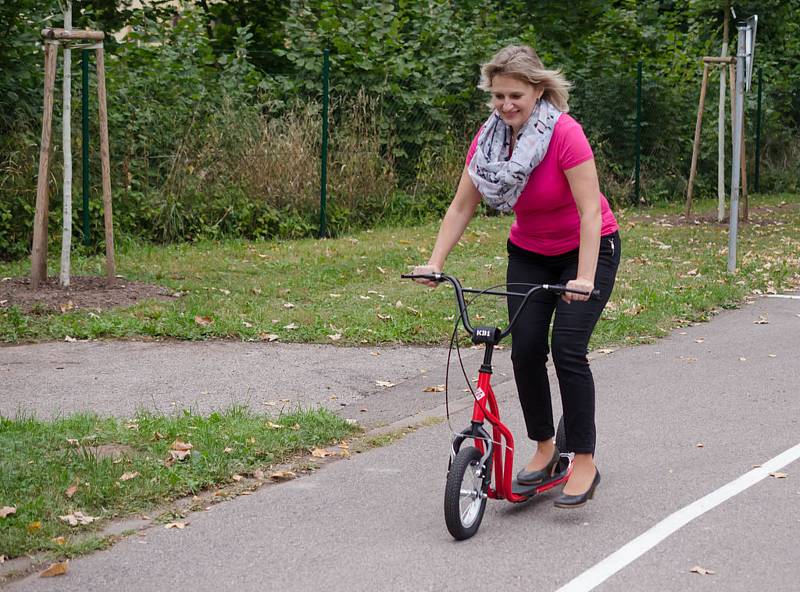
(426,269)
(581,284)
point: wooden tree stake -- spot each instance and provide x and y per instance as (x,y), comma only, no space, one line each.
(696,145)
(105,162)
(39,250)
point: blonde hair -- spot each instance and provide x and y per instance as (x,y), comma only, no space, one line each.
(522,63)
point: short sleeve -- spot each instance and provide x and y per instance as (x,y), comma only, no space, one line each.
(473,147)
(573,146)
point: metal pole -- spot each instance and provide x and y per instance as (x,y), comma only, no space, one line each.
(66,138)
(737,147)
(324,157)
(85,142)
(758,129)
(637,166)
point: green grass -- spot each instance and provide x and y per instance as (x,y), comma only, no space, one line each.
(350,286)
(41,460)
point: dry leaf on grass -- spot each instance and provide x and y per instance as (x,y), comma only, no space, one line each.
(56,569)
(7,511)
(702,571)
(268,337)
(237,477)
(78,518)
(321,453)
(129,476)
(274,426)
(335,337)
(34,526)
(59,540)
(204,321)
(291,326)
(282,475)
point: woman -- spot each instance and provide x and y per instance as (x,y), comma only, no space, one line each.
(532,158)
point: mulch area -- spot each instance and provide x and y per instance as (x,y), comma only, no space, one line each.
(84,292)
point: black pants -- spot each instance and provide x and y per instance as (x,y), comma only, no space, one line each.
(572,328)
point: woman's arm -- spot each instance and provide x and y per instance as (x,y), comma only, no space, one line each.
(455,221)
(585,189)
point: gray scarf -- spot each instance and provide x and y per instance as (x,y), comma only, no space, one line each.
(498,178)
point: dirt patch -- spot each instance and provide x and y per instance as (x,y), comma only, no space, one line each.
(759,216)
(87,292)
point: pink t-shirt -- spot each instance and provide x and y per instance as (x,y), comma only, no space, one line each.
(546,218)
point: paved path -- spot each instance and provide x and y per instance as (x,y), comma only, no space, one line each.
(375,522)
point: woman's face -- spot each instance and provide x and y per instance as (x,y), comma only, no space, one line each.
(514,99)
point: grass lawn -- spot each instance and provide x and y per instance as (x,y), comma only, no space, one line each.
(348,289)
(89,469)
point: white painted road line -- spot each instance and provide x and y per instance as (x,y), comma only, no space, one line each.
(783,296)
(600,572)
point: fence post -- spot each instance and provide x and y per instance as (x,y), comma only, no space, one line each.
(85,141)
(324,156)
(637,166)
(758,130)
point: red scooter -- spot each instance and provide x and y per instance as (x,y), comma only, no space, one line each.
(483,470)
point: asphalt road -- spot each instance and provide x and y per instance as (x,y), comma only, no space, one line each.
(677,421)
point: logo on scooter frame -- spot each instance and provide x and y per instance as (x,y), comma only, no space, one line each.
(479,394)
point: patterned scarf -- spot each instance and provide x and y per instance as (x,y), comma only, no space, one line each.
(499,178)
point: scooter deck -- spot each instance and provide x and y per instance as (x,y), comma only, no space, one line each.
(561,476)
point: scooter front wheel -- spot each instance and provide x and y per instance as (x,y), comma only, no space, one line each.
(464,498)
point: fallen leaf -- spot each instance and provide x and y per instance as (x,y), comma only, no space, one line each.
(699,340)
(69,339)
(335,337)
(384,383)
(606,350)
(274,426)
(178,525)
(258,474)
(129,476)
(778,475)
(762,320)
(34,526)
(288,305)
(78,518)
(773,355)
(67,306)
(702,571)
(56,569)
(320,453)
(203,321)
(228,450)
(282,475)
(268,337)
(291,326)
(742,359)
(439,388)
(60,540)
(7,511)
(381,269)
(237,477)
(700,445)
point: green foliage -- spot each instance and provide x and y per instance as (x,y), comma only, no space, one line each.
(215,107)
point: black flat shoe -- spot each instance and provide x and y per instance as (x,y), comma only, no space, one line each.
(576,501)
(535,477)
